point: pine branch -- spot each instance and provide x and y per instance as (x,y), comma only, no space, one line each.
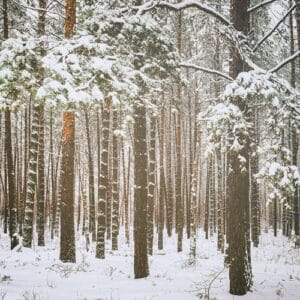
(260,5)
(285,62)
(181,6)
(206,70)
(274,28)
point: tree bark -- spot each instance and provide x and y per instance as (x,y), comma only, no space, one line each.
(67,230)
(115,192)
(240,274)
(100,245)
(141,268)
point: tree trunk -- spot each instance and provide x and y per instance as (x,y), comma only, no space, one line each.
(67,230)
(240,274)
(100,245)
(92,225)
(41,179)
(32,179)
(141,268)
(115,192)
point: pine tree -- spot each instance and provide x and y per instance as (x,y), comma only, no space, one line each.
(67,230)
(100,245)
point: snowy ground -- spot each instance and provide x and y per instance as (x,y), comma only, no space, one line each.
(39,275)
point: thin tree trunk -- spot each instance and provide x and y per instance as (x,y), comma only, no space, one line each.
(92,225)
(151,187)
(115,185)
(32,178)
(100,245)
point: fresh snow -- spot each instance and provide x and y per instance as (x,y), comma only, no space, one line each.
(38,273)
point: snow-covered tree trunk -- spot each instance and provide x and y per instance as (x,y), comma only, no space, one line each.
(126,177)
(92,223)
(162,200)
(151,187)
(115,184)
(101,226)
(207,195)
(220,203)
(41,179)
(194,210)
(240,274)
(67,230)
(32,178)
(178,192)
(85,222)
(254,193)
(170,173)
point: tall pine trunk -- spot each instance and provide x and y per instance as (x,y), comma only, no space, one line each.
(141,268)
(100,245)
(240,274)
(9,154)
(115,184)
(67,230)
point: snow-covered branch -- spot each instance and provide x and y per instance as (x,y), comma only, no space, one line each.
(181,6)
(206,70)
(274,28)
(285,62)
(260,5)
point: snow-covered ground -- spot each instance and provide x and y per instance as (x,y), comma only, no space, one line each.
(39,275)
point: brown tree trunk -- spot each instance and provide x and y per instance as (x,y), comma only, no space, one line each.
(141,268)
(67,230)
(240,274)
(100,245)
(9,154)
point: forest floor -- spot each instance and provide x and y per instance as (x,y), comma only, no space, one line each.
(39,275)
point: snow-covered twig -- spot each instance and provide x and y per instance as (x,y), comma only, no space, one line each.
(206,70)
(285,62)
(181,6)
(260,5)
(274,28)
(38,9)
(212,281)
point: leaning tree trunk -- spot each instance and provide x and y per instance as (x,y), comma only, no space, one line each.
(67,230)
(100,245)
(240,274)
(141,268)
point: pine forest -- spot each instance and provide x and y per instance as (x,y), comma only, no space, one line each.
(149,149)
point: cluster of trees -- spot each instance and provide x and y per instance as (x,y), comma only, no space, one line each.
(183,119)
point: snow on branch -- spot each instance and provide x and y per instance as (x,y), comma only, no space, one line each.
(285,62)
(260,5)
(206,70)
(181,6)
(274,28)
